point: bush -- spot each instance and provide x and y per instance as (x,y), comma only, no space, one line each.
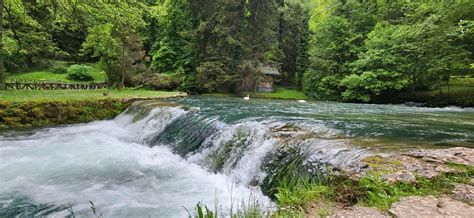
(59,70)
(322,88)
(163,82)
(80,73)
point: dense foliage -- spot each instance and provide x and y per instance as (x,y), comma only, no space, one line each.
(371,50)
(334,50)
(80,73)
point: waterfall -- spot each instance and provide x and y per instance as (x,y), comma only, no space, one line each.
(250,150)
(158,157)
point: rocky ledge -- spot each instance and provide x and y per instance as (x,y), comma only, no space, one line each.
(407,168)
(407,207)
(429,206)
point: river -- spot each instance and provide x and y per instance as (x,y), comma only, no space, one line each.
(155,161)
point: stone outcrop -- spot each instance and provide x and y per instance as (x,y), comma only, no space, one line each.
(408,167)
(464,193)
(458,155)
(408,207)
(427,163)
(429,206)
(327,209)
(366,212)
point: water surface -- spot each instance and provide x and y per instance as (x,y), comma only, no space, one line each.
(153,161)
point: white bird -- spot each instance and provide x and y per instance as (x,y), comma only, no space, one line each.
(302,101)
(247,97)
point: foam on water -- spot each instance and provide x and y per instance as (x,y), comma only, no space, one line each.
(105,163)
(152,160)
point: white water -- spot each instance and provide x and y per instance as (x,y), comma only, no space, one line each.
(248,142)
(106,163)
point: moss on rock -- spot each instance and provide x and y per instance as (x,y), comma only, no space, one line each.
(50,113)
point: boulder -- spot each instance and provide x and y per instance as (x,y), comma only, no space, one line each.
(464,193)
(426,163)
(429,206)
(360,212)
(458,155)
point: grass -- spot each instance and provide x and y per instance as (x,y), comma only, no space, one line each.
(371,191)
(279,93)
(43,108)
(462,81)
(67,95)
(382,195)
(460,92)
(282,93)
(248,208)
(294,196)
(46,76)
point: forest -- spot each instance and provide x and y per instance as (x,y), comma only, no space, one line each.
(341,50)
(236,108)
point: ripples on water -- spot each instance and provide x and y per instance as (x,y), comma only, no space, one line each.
(151,161)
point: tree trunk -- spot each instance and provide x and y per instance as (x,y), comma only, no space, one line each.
(2,67)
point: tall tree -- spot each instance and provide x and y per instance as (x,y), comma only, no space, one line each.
(294,38)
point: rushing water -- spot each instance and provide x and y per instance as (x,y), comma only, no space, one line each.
(154,160)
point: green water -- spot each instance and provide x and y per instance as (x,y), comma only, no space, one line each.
(155,159)
(383,126)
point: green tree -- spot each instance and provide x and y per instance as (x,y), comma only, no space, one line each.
(27,42)
(172,49)
(378,69)
(331,52)
(294,38)
(114,40)
(422,51)
(338,36)
(120,51)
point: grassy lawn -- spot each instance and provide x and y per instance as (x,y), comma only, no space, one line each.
(465,82)
(280,93)
(45,76)
(460,92)
(67,95)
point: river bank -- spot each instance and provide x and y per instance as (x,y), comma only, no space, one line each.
(458,98)
(427,183)
(46,108)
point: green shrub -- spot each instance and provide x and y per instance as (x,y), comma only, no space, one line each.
(163,82)
(59,70)
(80,73)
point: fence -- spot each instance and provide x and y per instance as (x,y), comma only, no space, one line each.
(54,86)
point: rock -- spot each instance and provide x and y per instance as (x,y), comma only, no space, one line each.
(464,193)
(321,208)
(449,207)
(401,176)
(359,212)
(429,206)
(407,167)
(415,207)
(459,155)
(286,131)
